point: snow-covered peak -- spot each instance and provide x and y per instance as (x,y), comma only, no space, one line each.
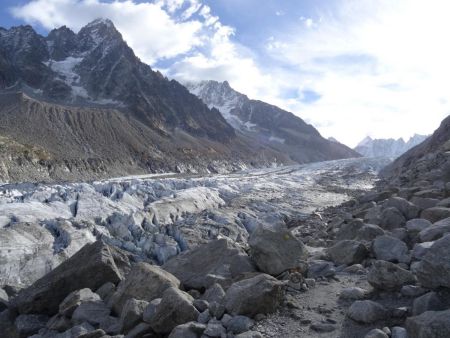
(101,22)
(366,141)
(387,147)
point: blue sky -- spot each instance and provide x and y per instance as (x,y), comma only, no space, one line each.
(352,68)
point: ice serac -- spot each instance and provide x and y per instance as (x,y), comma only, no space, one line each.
(269,125)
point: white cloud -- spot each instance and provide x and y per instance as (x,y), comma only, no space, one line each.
(148,27)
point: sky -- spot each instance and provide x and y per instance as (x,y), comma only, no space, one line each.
(351,68)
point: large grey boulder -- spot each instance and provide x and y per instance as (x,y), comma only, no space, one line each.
(275,251)
(91,267)
(388,248)
(320,268)
(420,250)
(392,218)
(347,252)
(430,301)
(369,232)
(349,230)
(27,325)
(367,311)
(259,294)
(92,312)
(430,324)
(376,333)
(132,313)
(175,308)
(218,261)
(434,269)
(435,214)
(144,282)
(388,276)
(408,209)
(436,231)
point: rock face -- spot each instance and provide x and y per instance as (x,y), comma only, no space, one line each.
(347,252)
(143,282)
(249,297)
(388,276)
(268,124)
(175,308)
(434,269)
(218,261)
(430,324)
(94,265)
(275,251)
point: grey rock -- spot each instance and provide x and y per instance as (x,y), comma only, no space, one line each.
(99,333)
(323,327)
(275,251)
(150,310)
(376,333)
(132,313)
(388,248)
(392,218)
(319,268)
(218,261)
(434,269)
(92,266)
(214,294)
(353,293)
(408,209)
(259,294)
(92,312)
(201,305)
(59,323)
(435,214)
(349,230)
(436,231)
(239,324)
(412,291)
(30,324)
(204,317)
(74,299)
(445,202)
(417,225)
(216,310)
(388,276)
(399,332)
(347,252)
(430,324)
(7,327)
(430,301)
(4,300)
(367,311)
(420,250)
(175,308)
(369,232)
(144,282)
(188,330)
(424,202)
(215,329)
(106,291)
(140,331)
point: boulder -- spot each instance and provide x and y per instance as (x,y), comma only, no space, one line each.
(349,230)
(249,297)
(399,332)
(367,311)
(430,324)
(347,252)
(132,314)
(425,202)
(150,310)
(214,294)
(369,232)
(434,269)
(7,327)
(420,250)
(430,301)
(416,225)
(144,282)
(353,293)
(176,308)
(388,248)
(392,218)
(249,334)
(408,209)
(436,231)
(188,330)
(218,261)
(92,266)
(376,333)
(319,268)
(4,300)
(239,324)
(74,299)
(388,276)
(27,325)
(215,329)
(275,251)
(92,312)
(435,214)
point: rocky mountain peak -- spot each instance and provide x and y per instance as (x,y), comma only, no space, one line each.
(98,32)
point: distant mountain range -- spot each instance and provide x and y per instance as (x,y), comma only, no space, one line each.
(387,147)
(268,124)
(82,105)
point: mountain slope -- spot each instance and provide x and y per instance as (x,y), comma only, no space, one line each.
(268,124)
(430,160)
(387,147)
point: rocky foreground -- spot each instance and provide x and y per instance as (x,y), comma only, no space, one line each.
(374,266)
